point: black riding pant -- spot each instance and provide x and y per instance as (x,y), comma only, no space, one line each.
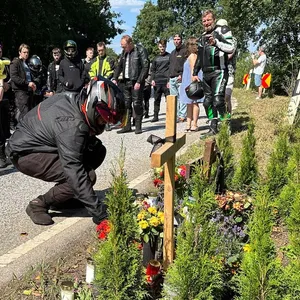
(214,86)
(133,98)
(158,91)
(47,167)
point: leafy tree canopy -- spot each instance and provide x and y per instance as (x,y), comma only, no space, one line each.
(44,24)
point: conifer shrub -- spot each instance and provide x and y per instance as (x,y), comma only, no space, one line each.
(246,175)
(119,274)
(292,271)
(260,273)
(285,200)
(277,167)
(226,149)
(196,270)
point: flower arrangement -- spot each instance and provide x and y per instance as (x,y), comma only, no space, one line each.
(179,177)
(150,220)
(103,229)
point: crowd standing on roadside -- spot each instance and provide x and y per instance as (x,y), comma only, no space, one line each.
(75,99)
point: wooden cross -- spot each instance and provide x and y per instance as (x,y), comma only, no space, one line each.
(165,155)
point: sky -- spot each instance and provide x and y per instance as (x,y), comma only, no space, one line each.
(129,10)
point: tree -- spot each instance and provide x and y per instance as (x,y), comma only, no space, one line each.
(48,23)
(152,25)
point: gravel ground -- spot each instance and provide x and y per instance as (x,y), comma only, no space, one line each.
(18,189)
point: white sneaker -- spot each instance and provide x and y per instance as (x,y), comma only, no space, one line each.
(258,98)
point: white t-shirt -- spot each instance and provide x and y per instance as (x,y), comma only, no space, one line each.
(260,67)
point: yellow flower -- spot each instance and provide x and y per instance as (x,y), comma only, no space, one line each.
(152,210)
(247,248)
(161,216)
(143,224)
(141,216)
(154,221)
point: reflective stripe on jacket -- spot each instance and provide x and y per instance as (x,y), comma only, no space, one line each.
(107,67)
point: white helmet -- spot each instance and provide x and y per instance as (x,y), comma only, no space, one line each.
(222,22)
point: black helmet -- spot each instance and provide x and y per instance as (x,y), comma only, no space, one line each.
(35,64)
(70,49)
(195,90)
(104,99)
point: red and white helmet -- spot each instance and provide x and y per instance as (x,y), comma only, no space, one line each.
(104,99)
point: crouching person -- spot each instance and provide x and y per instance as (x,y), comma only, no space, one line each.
(56,142)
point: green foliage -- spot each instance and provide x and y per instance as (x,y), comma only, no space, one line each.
(243,66)
(247,172)
(225,147)
(119,273)
(151,26)
(260,271)
(288,192)
(196,271)
(187,18)
(47,24)
(277,168)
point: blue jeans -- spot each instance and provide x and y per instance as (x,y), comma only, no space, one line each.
(174,91)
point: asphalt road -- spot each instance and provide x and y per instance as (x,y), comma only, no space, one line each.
(18,232)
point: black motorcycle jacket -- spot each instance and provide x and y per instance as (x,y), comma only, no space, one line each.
(57,125)
(138,65)
(53,83)
(211,58)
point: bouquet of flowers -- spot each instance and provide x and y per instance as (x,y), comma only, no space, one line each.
(180,179)
(150,220)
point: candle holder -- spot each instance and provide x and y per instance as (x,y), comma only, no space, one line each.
(152,270)
(90,271)
(67,290)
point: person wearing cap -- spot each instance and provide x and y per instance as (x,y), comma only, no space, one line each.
(56,142)
(177,60)
(214,46)
(231,69)
(259,67)
(53,83)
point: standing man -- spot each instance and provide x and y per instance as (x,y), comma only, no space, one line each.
(4,112)
(53,83)
(87,61)
(231,70)
(134,65)
(259,67)
(177,59)
(214,46)
(159,75)
(102,65)
(21,82)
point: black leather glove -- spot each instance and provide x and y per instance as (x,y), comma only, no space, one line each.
(101,214)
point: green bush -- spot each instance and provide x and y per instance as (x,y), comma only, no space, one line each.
(196,271)
(119,274)
(260,273)
(246,175)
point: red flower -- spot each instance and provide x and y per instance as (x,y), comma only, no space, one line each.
(103,229)
(157,182)
(176,177)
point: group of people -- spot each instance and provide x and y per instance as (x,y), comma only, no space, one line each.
(55,139)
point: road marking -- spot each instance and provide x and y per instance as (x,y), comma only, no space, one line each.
(46,235)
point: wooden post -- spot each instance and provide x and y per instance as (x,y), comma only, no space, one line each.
(209,156)
(166,156)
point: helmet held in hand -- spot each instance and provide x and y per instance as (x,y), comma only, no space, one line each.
(195,90)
